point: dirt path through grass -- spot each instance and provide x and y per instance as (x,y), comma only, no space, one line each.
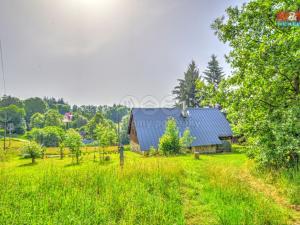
(219,189)
(272,192)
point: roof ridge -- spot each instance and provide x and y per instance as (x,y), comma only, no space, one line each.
(200,108)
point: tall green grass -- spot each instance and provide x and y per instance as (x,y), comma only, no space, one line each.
(216,189)
(57,193)
(157,190)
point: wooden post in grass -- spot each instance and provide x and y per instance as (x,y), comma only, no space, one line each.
(197,154)
(121,151)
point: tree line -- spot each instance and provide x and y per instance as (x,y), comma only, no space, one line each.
(42,119)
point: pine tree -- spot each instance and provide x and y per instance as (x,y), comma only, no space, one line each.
(186,90)
(213,74)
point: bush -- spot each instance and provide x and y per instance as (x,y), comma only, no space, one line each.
(48,136)
(169,143)
(32,150)
(153,151)
(52,136)
(186,140)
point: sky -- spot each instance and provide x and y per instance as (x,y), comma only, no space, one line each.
(106,51)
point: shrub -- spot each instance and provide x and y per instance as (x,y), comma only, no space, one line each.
(52,136)
(36,134)
(187,139)
(33,150)
(47,136)
(169,143)
(153,151)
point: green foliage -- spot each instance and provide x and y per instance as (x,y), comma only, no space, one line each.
(58,104)
(34,105)
(115,112)
(186,90)
(52,136)
(36,134)
(48,136)
(213,74)
(37,120)
(187,139)
(78,121)
(92,125)
(106,134)
(262,96)
(169,143)
(73,142)
(7,100)
(154,152)
(124,137)
(88,111)
(2,132)
(53,118)
(32,149)
(207,94)
(14,115)
(63,108)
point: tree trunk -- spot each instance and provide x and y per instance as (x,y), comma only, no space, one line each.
(77,157)
(33,159)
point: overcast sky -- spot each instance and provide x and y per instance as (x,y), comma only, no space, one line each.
(100,51)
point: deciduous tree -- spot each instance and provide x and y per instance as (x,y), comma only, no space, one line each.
(13,114)
(73,142)
(34,105)
(37,120)
(262,98)
(53,118)
(32,149)
(7,100)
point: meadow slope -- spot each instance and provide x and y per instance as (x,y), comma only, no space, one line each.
(217,189)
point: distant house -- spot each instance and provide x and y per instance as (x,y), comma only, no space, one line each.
(208,125)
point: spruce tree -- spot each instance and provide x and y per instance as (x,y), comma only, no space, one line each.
(213,74)
(186,90)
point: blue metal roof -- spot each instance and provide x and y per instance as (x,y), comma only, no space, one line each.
(205,124)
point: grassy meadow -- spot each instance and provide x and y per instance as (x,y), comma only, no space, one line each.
(217,189)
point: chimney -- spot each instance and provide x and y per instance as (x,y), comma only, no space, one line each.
(184,110)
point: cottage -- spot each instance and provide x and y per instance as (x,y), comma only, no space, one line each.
(208,125)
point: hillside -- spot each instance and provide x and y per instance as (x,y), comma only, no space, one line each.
(217,189)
